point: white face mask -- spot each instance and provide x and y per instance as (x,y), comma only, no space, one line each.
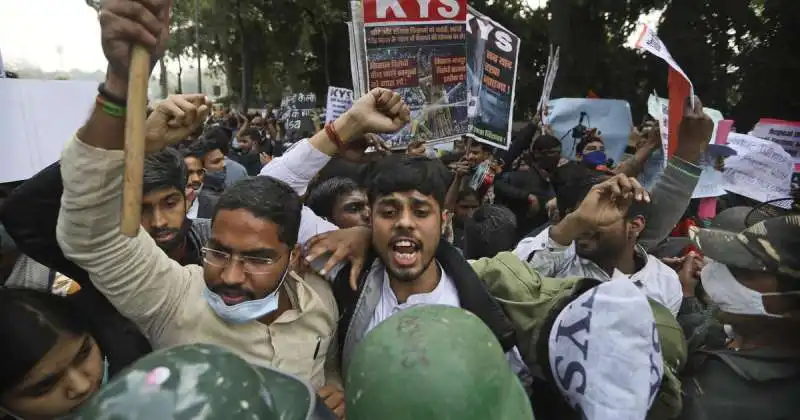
(246,311)
(730,295)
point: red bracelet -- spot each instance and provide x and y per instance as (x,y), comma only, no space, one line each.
(333,135)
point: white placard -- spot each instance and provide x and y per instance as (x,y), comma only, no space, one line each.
(339,101)
(37,118)
(785,133)
(761,170)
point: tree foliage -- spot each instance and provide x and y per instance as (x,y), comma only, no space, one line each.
(740,54)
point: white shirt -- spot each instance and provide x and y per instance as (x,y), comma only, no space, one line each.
(445,293)
(657,280)
(194,208)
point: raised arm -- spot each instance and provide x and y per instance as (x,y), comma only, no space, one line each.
(134,274)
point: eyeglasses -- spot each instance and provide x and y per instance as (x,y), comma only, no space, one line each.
(252,265)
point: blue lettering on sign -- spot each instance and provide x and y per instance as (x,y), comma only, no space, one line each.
(573,368)
(655,376)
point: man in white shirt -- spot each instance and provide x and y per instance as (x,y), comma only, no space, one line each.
(590,242)
(409,264)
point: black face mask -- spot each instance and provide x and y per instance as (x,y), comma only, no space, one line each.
(215,181)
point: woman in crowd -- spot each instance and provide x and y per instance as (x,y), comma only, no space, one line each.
(49,362)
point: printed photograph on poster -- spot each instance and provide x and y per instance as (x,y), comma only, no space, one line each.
(418,49)
(492,53)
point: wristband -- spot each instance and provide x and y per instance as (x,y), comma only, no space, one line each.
(109,108)
(109,97)
(334,136)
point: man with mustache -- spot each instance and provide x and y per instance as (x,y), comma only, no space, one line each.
(247,296)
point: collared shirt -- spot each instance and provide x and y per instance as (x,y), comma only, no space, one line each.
(164,299)
(195,207)
(445,293)
(657,280)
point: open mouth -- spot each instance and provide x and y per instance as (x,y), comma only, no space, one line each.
(405,252)
(165,237)
(231,300)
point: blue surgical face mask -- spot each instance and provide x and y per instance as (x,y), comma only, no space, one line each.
(246,311)
(595,158)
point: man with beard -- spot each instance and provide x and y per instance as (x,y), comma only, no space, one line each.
(409,263)
(248,295)
(201,201)
(575,248)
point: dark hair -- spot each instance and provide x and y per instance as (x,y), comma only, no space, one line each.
(572,183)
(546,142)
(195,149)
(251,132)
(451,157)
(268,199)
(485,147)
(492,229)
(579,148)
(165,169)
(323,197)
(466,193)
(31,323)
(339,168)
(398,173)
(218,137)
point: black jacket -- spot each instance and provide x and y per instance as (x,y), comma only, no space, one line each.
(472,293)
(30,216)
(250,161)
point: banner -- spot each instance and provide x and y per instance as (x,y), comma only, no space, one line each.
(38,117)
(784,133)
(418,49)
(761,169)
(339,101)
(611,117)
(492,57)
(298,112)
(680,87)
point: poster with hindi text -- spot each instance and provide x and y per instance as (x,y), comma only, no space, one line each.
(418,49)
(492,56)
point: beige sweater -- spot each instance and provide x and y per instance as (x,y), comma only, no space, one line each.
(163,298)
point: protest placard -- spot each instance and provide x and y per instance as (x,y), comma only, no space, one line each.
(680,87)
(710,184)
(33,135)
(784,133)
(492,54)
(611,117)
(339,101)
(418,49)
(761,169)
(298,111)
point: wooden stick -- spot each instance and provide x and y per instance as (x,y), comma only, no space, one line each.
(134,141)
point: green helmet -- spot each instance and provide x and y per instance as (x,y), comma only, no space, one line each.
(433,362)
(201,382)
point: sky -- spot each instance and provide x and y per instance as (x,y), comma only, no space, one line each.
(34,31)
